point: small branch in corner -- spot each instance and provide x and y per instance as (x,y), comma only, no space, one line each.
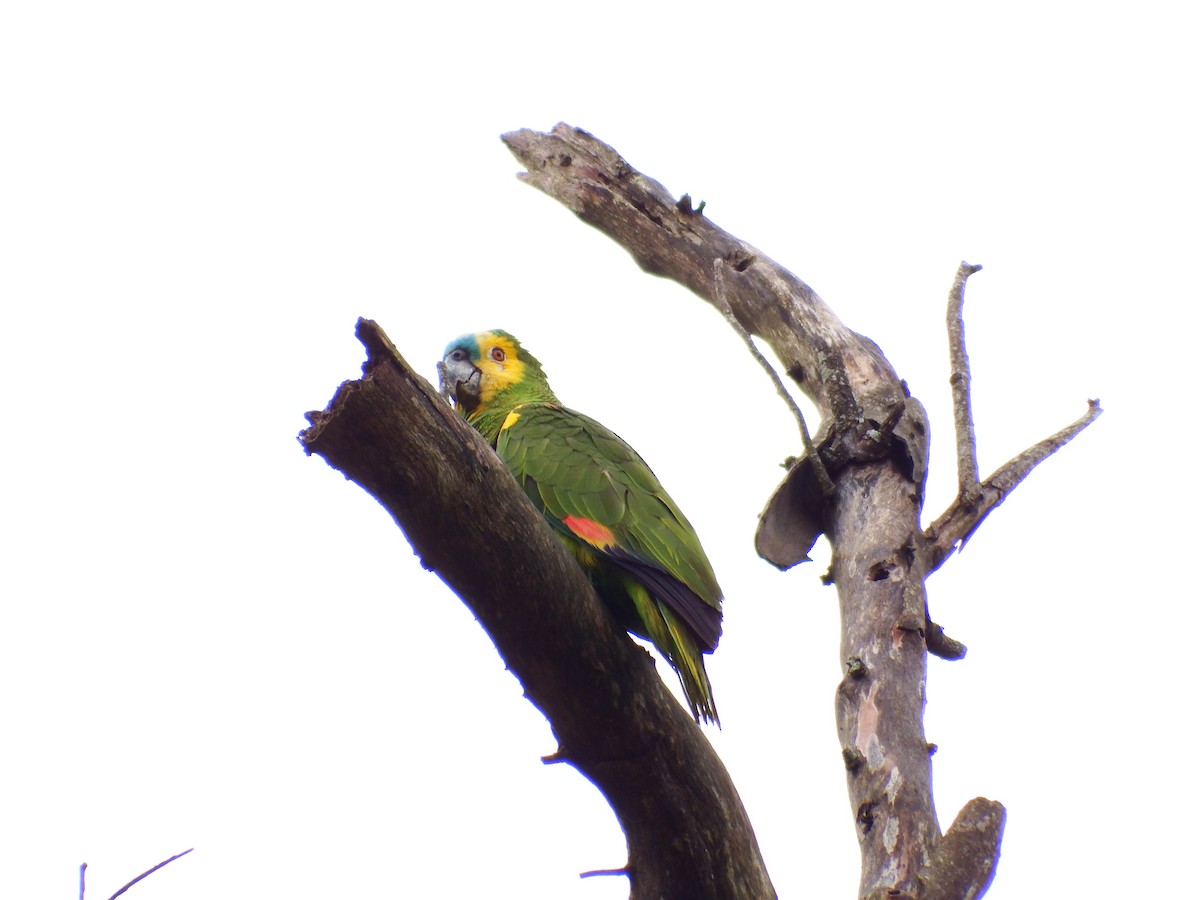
(130,884)
(624,870)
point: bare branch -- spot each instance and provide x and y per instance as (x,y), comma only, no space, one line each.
(960,386)
(956,525)
(721,301)
(838,369)
(469,521)
(149,871)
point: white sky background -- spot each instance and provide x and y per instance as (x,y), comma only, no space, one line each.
(210,640)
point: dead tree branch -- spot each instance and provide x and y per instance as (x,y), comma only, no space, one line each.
(873,442)
(960,386)
(468,520)
(877,469)
(810,452)
(954,527)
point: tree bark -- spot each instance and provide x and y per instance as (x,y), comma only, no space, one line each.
(469,521)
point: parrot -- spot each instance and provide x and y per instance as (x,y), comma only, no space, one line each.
(640,553)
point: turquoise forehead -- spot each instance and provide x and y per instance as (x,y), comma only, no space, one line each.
(466,342)
(470,342)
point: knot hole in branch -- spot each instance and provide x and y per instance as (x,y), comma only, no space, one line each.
(739,260)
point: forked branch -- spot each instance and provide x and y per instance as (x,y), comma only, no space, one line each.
(954,527)
(975,500)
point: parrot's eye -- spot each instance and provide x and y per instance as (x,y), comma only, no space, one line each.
(497,354)
(458,354)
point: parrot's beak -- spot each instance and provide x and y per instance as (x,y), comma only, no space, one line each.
(461,380)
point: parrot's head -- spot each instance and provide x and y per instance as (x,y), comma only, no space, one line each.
(476,369)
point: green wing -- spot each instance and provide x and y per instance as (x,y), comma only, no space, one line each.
(598,493)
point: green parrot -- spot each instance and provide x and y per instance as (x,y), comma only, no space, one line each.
(640,553)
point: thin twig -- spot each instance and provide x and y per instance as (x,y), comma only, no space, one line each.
(960,386)
(956,525)
(722,302)
(595,872)
(150,871)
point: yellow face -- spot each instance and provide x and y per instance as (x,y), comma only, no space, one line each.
(479,366)
(500,365)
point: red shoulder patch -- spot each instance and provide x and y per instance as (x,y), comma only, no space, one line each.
(590,532)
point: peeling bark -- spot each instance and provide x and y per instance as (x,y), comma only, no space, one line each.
(880,705)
